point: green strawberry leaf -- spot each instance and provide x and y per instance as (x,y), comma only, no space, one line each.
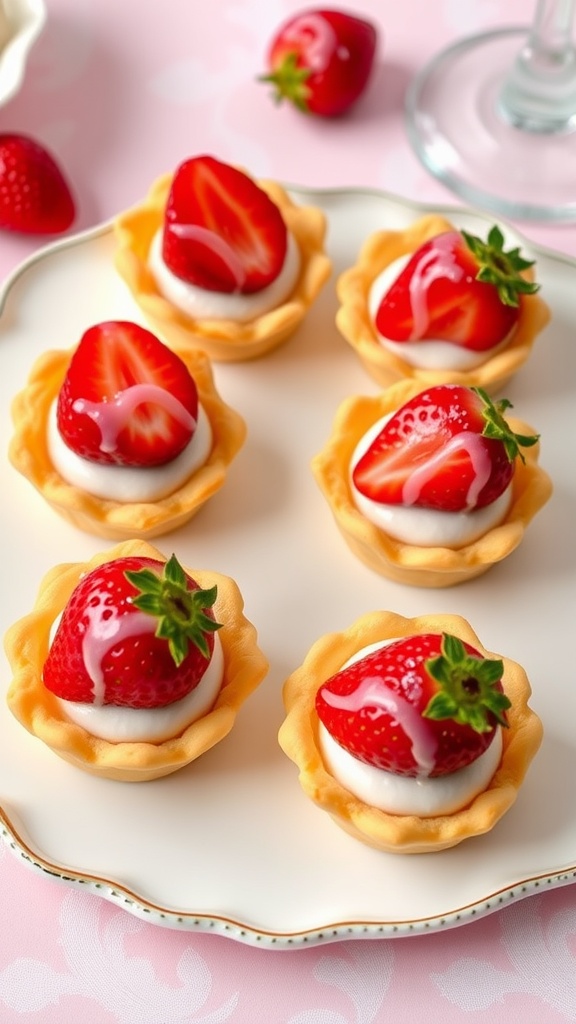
(496,427)
(467,691)
(181,613)
(499,267)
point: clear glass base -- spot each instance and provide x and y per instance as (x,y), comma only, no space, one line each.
(459,130)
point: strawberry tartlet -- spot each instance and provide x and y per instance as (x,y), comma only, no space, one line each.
(431,488)
(408,732)
(130,666)
(122,436)
(219,261)
(432,303)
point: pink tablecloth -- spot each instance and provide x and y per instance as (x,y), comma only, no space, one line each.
(122,92)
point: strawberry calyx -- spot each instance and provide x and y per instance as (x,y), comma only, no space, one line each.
(289,80)
(181,613)
(468,687)
(499,267)
(497,428)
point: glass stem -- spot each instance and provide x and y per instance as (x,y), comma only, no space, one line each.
(539,94)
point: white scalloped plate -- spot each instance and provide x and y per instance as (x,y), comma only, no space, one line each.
(231,844)
(21,22)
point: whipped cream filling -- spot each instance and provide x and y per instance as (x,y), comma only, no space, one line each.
(150,725)
(425,355)
(398,794)
(421,526)
(129,483)
(202,304)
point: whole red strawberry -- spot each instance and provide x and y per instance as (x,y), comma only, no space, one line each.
(136,633)
(222,232)
(458,288)
(126,399)
(35,197)
(321,60)
(449,448)
(423,705)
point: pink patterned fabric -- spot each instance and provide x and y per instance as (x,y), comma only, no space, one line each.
(122,92)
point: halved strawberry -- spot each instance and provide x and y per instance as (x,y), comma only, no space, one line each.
(126,399)
(222,232)
(457,288)
(423,705)
(136,633)
(449,448)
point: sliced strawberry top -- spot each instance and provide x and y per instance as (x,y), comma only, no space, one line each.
(222,232)
(126,399)
(449,449)
(422,705)
(135,633)
(457,288)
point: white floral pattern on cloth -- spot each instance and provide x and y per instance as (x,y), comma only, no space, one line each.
(544,968)
(100,969)
(363,976)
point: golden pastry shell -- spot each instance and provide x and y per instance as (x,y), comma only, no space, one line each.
(27,643)
(113,520)
(409,563)
(298,737)
(222,340)
(355,323)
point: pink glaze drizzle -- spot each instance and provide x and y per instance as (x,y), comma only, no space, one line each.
(111,417)
(466,441)
(433,265)
(218,245)
(319,37)
(104,632)
(372,692)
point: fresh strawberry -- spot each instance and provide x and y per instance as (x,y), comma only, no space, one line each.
(321,61)
(35,197)
(222,232)
(449,448)
(423,705)
(136,633)
(126,399)
(457,288)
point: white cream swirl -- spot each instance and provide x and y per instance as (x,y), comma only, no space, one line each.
(202,304)
(129,483)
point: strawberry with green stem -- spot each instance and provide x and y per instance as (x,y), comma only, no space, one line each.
(424,705)
(457,288)
(321,61)
(449,448)
(135,633)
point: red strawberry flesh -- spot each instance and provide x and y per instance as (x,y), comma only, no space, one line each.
(222,232)
(457,288)
(449,448)
(126,399)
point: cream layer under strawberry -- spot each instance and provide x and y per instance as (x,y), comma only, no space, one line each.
(202,304)
(429,354)
(396,794)
(140,725)
(129,483)
(429,527)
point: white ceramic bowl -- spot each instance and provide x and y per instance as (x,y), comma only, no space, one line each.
(21,22)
